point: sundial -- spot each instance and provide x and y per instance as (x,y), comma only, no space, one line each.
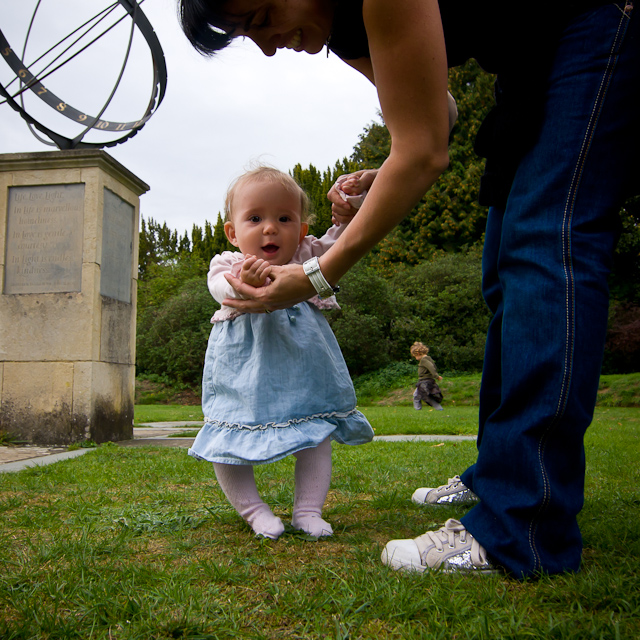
(81,74)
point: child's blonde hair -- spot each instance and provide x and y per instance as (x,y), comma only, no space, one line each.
(419,349)
(263,173)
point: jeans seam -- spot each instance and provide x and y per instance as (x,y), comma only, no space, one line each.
(628,8)
(569,276)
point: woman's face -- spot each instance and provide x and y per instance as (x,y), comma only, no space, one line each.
(302,25)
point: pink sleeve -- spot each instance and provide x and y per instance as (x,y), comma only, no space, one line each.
(225,262)
(311,246)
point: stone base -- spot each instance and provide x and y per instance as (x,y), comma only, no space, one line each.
(68,278)
(58,403)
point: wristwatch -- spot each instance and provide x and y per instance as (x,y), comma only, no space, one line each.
(319,282)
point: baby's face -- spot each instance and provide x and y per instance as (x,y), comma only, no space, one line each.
(265,222)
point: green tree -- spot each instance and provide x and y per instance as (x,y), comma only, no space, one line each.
(363,324)
(443,307)
(448,217)
(220,242)
(197,242)
(184,246)
(147,250)
(166,241)
(316,185)
(163,280)
(622,350)
(438,302)
(157,245)
(373,147)
(625,277)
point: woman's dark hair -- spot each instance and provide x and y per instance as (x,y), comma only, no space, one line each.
(203,22)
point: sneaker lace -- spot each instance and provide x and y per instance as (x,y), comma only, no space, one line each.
(478,554)
(452,483)
(447,535)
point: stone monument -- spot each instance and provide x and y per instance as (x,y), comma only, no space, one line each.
(69,222)
(69,264)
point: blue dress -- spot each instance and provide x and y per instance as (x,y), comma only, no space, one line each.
(274,384)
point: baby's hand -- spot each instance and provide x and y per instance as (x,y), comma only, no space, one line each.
(255,271)
(348,193)
(351,185)
(356,183)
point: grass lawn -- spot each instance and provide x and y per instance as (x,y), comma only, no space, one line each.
(166,413)
(385,420)
(461,392)
(139,543)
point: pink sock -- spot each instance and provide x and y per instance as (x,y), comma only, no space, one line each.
(239,485)
(313,477)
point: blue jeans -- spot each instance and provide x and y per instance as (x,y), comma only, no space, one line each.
(546,259)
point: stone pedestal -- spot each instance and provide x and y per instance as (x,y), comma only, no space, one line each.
(69,268)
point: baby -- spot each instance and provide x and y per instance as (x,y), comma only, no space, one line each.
(275,384)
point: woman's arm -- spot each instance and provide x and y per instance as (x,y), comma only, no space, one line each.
(315,247)
(364,66)
(408,62)
(408,65)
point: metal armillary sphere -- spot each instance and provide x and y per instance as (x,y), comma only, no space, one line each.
(37,76)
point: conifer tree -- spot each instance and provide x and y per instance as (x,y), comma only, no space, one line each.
(184,246)
(220,242)
(197,242)
(316,185)
(146,251)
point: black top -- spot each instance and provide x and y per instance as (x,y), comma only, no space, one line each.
(494,32)
(514,40)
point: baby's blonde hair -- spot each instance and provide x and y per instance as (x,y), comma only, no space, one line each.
(418,349)
(263,173)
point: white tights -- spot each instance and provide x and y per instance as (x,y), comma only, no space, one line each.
(312,479)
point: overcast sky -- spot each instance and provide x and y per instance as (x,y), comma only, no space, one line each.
(218,114)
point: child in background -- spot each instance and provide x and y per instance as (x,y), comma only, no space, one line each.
(275,384)
(427,389)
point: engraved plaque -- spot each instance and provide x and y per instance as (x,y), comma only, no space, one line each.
(44,239)
(117,247)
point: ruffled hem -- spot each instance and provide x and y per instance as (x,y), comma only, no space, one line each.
(338,415)
(228,443)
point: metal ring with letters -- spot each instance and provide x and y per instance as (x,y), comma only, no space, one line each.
(31,82)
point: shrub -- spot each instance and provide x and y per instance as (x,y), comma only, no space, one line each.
(438,302)
(444,309)
(363,324)
(172,337)
(378,383)
(622,351)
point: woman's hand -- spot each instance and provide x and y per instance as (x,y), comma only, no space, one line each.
(289,285)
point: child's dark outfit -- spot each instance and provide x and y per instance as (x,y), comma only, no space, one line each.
(427,389)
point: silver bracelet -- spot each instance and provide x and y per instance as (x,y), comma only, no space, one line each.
(319,282)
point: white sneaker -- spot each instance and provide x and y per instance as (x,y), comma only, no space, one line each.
(455,492)
(450,549)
